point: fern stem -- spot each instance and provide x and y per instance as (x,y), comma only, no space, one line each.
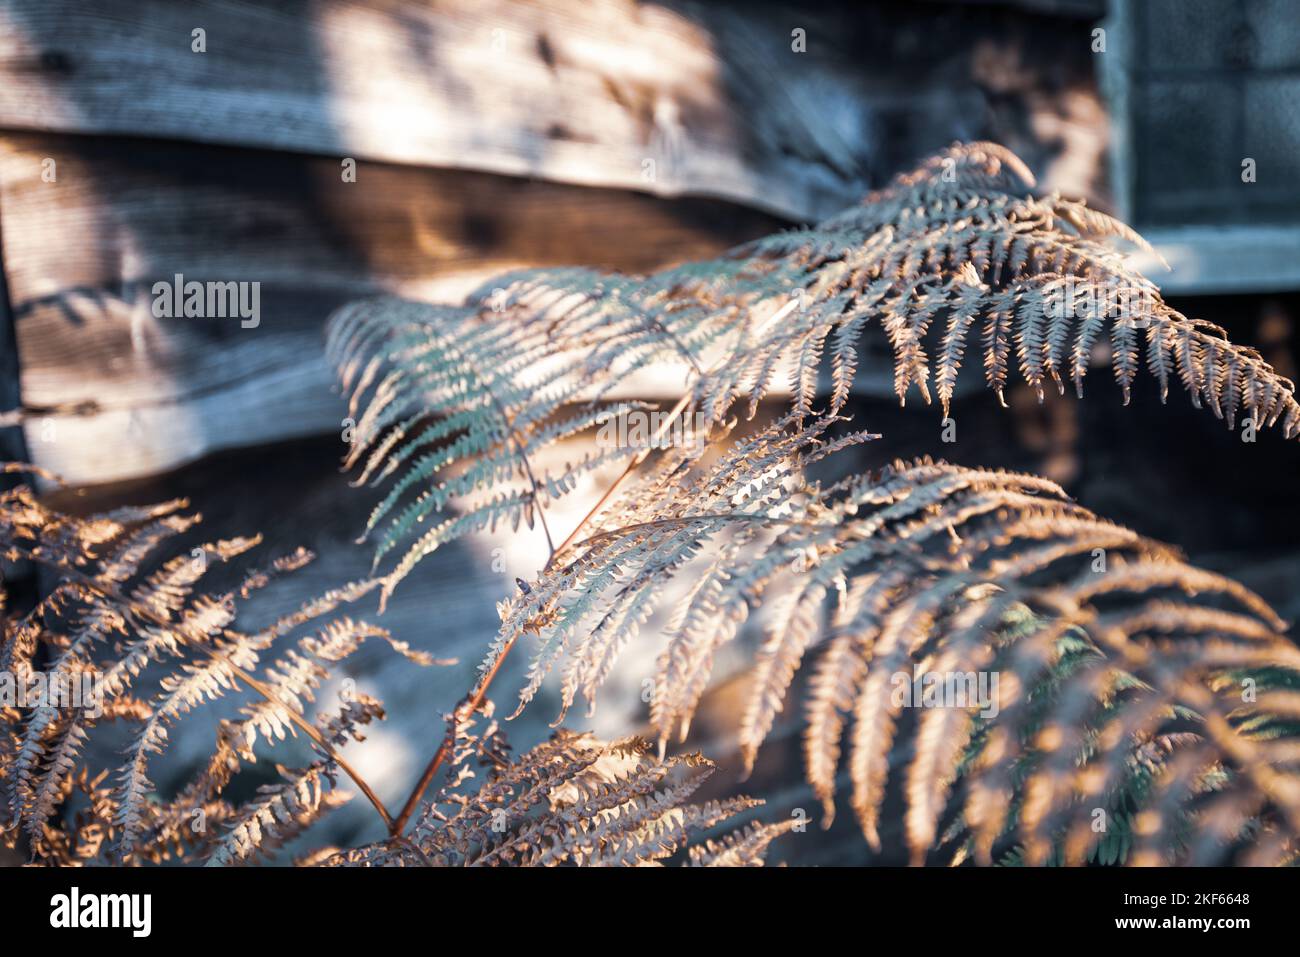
(475,699)
(532,480)
(468,706)
(614,486)
(519,445)
(311,732)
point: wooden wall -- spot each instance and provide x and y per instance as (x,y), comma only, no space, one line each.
(487,135)
(168,390)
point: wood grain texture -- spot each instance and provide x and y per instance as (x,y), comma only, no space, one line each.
(794,109)
(155,174)
(584,92)
(82,255)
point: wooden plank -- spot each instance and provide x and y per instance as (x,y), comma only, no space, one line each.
(82,254)
(1259,257)
(124,213)
(776,106)
(715,98)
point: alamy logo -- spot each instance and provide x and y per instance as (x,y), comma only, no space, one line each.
(74,910)
(208,300)
(947,689)
(639,429)
(57,689)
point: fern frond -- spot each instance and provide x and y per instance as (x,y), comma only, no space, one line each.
(280,813)
(455,404)
(501,393)
(934,570)
(744,848)
(574,800)
(113,625)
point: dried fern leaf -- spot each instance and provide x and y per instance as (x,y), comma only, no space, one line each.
(137,642)
(454,404)
(574,800)
(939,571)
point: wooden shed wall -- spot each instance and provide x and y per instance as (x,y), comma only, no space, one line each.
(487,136)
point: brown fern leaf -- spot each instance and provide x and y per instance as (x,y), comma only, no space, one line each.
(455,403)
(280,813)
(130,638)
(574,800)
(982,614)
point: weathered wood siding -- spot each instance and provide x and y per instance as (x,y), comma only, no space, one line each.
(573,92)
(83,253)
(487,136)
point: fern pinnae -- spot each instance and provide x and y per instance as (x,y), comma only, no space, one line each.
(778,659)
(121,562)
(837,680)
(745,848)
(1049,785)
(97,624)
(942,734)
(575,800)
(59,767)
(537,843)
(1180,781)
(962,315)
(166,591)
(832,690)
(281,812)
(930,252)
(1146,575)
(903,632)
(873,730)
(703,625)
(159,619)
(844,358)
(638,597)
(653,827)
(180,693)
(611,634)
